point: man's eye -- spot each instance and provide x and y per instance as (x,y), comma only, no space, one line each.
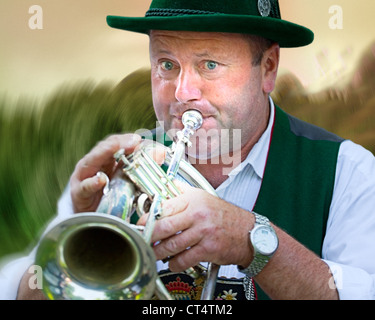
(167,65)
(211,65)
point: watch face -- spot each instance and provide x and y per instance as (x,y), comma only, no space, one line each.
(264,240)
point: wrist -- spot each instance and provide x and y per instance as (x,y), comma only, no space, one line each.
(263,245)
(247,248)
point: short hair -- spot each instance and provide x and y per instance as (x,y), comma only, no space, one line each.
(258,45)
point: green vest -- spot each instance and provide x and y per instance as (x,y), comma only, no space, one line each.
(298,181)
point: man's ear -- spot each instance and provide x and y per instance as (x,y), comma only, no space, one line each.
(270,65)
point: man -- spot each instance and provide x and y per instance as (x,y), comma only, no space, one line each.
(295,210)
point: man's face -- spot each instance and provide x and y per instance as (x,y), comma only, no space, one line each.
(212,73)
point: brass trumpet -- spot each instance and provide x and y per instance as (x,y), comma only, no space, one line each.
(102,255)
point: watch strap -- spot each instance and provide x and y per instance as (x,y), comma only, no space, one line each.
(259,219)
(259,260)
(256,265)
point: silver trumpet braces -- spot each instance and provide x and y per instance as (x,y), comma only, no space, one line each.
(102,255)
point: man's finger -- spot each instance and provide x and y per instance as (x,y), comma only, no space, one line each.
(174,206)
(157,153)
(100,158)
(85,194)
(90,186)
(176,244)
(188,258)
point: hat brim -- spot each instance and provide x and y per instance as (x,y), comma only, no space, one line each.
(286,33)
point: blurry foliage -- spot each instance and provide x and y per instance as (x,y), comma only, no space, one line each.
(348,109)
(40,145)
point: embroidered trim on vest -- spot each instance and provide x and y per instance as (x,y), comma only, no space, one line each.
(182,286)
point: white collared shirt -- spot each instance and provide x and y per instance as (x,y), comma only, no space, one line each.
(348,247)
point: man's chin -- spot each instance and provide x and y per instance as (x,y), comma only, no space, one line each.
(201,155)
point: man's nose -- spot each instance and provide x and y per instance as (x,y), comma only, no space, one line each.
(188,86)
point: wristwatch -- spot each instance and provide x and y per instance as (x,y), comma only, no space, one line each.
(265,243)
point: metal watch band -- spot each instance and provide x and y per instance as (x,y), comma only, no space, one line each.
(259,219)
(259,260)
(256,265)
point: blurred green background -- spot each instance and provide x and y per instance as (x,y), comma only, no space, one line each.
(42,141)
(40,145)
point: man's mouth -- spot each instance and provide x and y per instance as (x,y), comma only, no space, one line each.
(208,122)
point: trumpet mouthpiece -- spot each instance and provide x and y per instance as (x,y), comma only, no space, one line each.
(192,119)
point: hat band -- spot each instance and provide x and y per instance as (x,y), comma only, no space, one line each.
(175,12)
(161,12)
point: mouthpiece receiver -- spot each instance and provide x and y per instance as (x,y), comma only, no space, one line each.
(192,121)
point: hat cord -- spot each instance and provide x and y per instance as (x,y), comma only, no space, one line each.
(175,12)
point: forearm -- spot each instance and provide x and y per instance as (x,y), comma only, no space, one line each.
(295,272)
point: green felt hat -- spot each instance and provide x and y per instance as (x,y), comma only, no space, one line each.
(258,17)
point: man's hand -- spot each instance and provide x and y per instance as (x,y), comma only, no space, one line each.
(86,186)
(26,293)
(197,226)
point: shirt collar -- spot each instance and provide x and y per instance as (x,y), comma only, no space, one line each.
(257,157)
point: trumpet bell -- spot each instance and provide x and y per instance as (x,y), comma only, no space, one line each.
(97,257)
